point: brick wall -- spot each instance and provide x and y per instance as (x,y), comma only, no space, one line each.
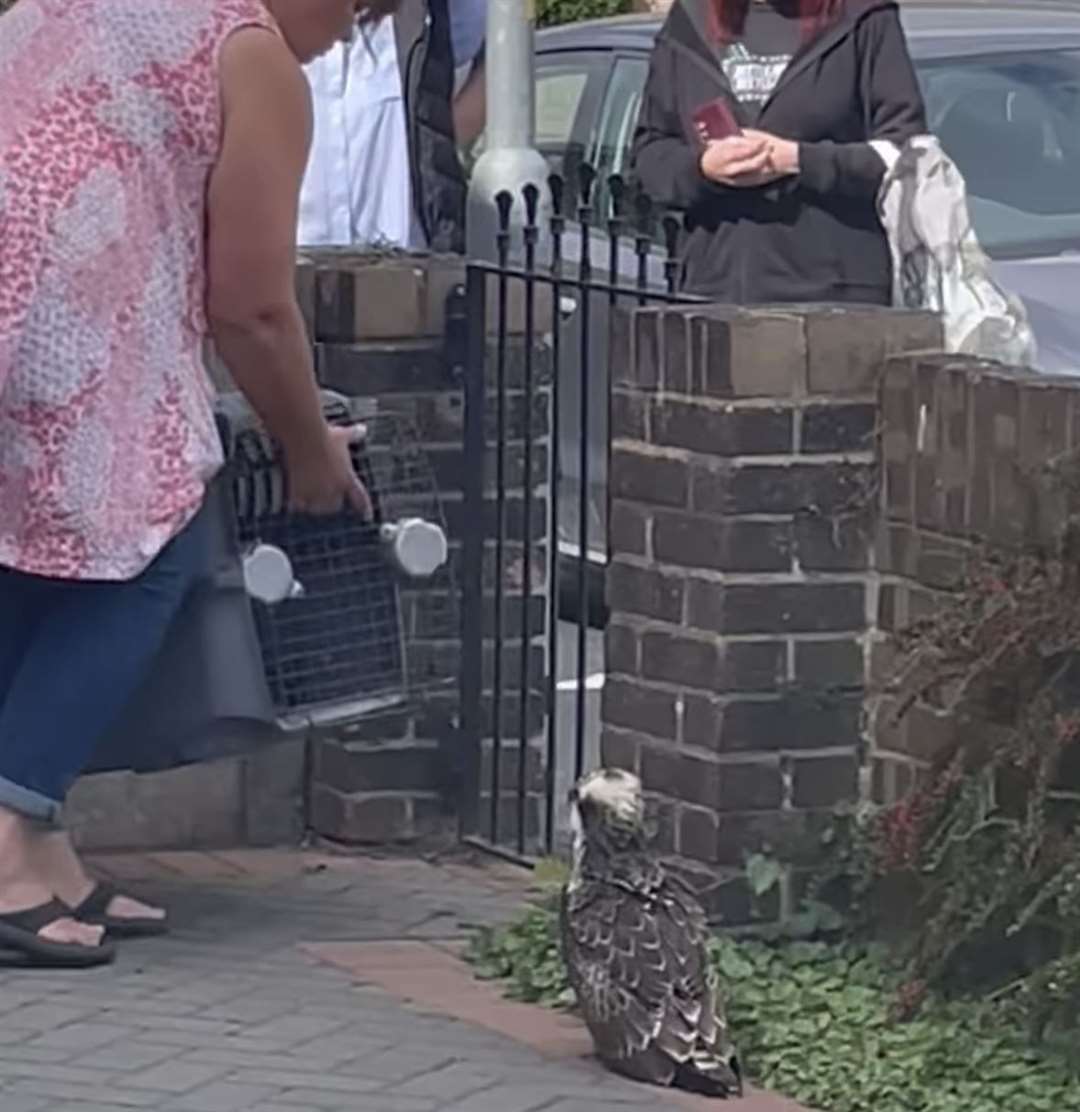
(255,800)
(965,447)
(788,489)
(744,588)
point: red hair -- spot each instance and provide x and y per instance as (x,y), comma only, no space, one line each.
(727,18)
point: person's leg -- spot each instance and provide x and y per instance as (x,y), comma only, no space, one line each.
(54,856)
(21,883)
(16,625)
(91,650)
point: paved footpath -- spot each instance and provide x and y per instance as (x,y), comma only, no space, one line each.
(302,982)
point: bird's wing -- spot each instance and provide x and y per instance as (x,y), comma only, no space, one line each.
(615,957)
(694,1014)
(695,1027)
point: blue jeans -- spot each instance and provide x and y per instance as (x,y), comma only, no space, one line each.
(72,654)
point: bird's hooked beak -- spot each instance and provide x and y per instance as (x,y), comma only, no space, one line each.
(577,824)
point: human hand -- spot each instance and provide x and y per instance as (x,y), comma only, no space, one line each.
(736,160)
(783,153)
(321,477)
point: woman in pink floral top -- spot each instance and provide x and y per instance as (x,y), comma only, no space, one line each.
(151,153)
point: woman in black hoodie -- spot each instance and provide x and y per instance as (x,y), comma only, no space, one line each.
(757,123)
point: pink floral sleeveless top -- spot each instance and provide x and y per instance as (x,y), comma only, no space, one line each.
(109,129)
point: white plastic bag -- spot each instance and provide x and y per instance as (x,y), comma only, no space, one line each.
(938,264)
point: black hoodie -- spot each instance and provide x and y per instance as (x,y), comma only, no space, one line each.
(813,238)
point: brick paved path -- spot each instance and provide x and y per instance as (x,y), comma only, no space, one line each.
(283,988)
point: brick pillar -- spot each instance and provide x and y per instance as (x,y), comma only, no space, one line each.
(380,328)
(743,588)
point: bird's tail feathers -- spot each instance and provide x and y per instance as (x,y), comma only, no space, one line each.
(708,1075)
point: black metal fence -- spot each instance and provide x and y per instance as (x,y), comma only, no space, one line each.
(543,323)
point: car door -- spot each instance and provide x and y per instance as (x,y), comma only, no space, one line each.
(608,142)
(569,89)
(613,136)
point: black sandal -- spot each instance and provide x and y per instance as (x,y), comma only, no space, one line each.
(95,911)
(20,931)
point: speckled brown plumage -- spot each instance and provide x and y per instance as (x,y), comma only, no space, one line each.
(634,940)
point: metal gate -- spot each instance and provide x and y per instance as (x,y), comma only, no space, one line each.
(546,323)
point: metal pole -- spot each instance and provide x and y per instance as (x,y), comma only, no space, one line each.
(510,160)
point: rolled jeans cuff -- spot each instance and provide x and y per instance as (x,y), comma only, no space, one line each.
(30,804)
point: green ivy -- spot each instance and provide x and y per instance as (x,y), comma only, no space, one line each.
(550,13)
(818,1023)
(525,956)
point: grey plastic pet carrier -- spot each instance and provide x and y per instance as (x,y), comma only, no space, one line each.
(298,622)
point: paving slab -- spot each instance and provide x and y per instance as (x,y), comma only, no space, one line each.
(303,981)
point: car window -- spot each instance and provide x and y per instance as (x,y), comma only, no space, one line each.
(1011,123)
(559,91)
(611,144)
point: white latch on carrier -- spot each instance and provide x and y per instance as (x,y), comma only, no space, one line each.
(415,547)
(268,575)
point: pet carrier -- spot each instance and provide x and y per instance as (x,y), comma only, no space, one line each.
(298,622)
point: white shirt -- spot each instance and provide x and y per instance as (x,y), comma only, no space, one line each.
(357,189)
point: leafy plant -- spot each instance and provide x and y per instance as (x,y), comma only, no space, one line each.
(525,955)
(814,918)
(763,873)
(549,13)
(975,875)
(820,1023)
(550,874)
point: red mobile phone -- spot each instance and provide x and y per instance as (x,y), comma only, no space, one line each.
(716,120)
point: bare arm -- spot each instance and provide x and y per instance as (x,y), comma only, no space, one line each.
(470,107)
(255,320)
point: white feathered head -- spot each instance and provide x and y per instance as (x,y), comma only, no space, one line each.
(608,804)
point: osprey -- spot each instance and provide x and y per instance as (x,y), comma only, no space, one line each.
(633,940)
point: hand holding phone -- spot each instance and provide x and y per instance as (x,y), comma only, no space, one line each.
(715,121)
